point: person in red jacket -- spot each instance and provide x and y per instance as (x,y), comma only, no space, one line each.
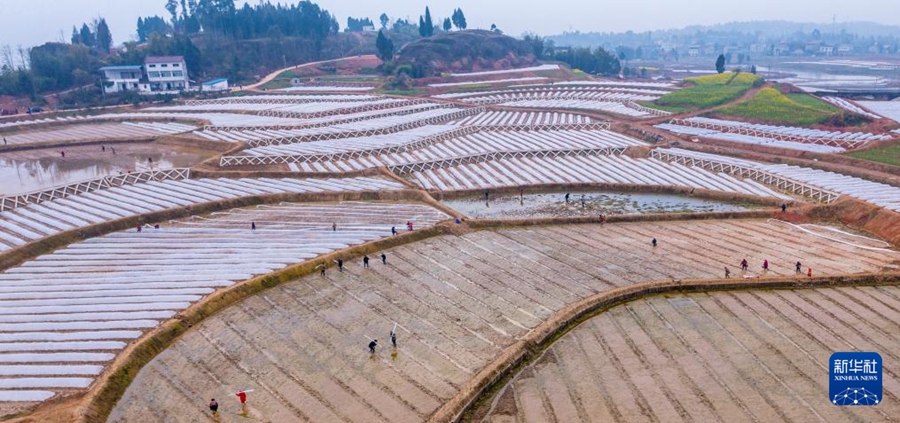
(242,396)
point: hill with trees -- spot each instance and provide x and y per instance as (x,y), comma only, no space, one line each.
(463,51)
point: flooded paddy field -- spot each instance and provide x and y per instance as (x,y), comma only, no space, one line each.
(553,204)
(32,170)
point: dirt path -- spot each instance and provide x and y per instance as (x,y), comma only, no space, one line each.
(268,78)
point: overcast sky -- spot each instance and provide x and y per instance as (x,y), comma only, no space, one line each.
(33,22)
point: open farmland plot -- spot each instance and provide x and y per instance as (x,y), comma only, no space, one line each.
(64,315)
(459,302)
(38,219)
(770,105)
(729,356)
(709,91)
(105,132)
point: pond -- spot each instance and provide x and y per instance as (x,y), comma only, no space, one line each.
(595,203)
(33,170)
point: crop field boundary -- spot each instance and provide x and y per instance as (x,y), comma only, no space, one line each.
(495,375)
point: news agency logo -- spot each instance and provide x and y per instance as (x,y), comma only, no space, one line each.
(855,378)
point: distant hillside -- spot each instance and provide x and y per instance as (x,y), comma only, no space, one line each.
(465,51)
(749,31)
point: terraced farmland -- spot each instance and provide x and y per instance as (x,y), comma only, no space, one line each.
(427,143)
(728,356)
(66,314)
(106,132)
(522,169)
(458,301)
(37,220)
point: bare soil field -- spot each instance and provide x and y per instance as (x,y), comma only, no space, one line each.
(728,356)
(458,302)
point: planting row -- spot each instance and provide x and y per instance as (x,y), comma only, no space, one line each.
(124,131)
(36,221)
(458,303)
(727,125)
(749,139)
(286,99)
(487,82)
(378,123)
(575,169)
(882,195)
(590,105)
(850,106)
(507,118)
(66,314)
(730,356)
(299,107)
(475,144)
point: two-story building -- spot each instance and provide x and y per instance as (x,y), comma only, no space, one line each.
(167,73)
(122,78)
(159,74)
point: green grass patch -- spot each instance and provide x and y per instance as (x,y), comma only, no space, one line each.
(709,91)
(409,93)
(670,109)
(887,154)
(770,105)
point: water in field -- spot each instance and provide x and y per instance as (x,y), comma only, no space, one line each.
(33,170)
(595,203)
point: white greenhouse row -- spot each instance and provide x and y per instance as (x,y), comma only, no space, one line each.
(65,315)
(589,105)
(850,106)
(112,131)
(582,169)
(788,130)
(268,136)
(507,118)
(748,139)
(35,221)
(480,143)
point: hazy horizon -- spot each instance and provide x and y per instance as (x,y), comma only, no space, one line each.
(29,23)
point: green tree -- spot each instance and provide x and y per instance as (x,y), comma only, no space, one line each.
(76,37)
(720,64)
(104,36)
(385,47)
(459,19)
(541,46)
(384,20)
(447,24)
(426,25)
(87,37)
(172,7)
